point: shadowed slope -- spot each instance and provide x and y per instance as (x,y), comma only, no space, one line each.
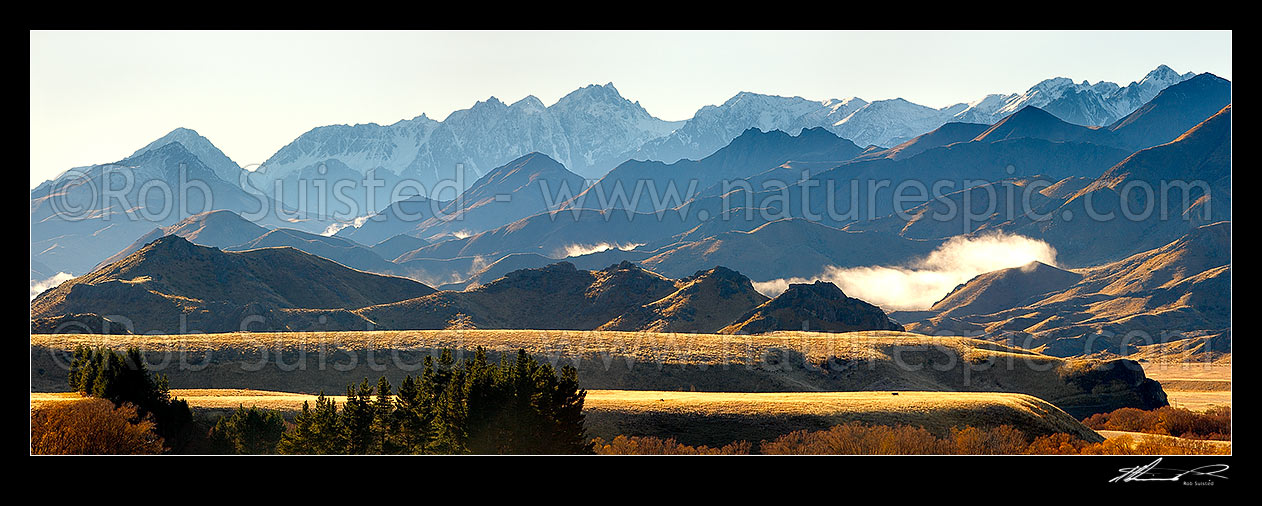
(172,285)
(704,303)
(820,306)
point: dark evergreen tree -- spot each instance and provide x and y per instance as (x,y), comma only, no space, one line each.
(357,416)
(251,431)
(514,406)
(123,378)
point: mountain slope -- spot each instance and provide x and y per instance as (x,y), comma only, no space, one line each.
(650,186)
(1190,184)
(820,306)
(529,185)
(1174,111)
(1181,290)
(174,286)
(554,297)
(1082,103)
(342,251)
(945,135)
(75,224)
(1004,289)
(203,149)
(704,303)
(713,127)
(587,130)
(404,216)
(1032,122)
(219,229)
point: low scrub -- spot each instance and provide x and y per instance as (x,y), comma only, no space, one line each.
(635,445)
(92,427)
(1213,424)
(856,438)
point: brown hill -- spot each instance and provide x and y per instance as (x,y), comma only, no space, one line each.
(1179,291)
(820,306)
(705,302)
(558,296)
(1190,183)
(1005,289)
(172,285)
(219,229)
(337,249)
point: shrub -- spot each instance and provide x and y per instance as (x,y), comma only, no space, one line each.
(92,427)
(1214,423)
(634,445)
(123,378)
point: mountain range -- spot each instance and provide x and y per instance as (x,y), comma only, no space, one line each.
(174,286)
(769,188)
(1177,291)
(594,128)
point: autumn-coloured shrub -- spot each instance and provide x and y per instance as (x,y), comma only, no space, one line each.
(1001,440)
(856,439)
(92,427)
(635,445)
(859,439)
(1214,423)
(1056,444)
(1154,445)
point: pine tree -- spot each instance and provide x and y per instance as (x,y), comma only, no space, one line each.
(412,416)
(328,431)
(357,416)
(301,440)
(251,431)
(385,423)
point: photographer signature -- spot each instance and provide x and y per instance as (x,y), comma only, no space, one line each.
(1151,472)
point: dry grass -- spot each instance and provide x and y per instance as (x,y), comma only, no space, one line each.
(1195,386)
(675,348)
(311,362)
(718,418)
(1157,444)
(1136,437)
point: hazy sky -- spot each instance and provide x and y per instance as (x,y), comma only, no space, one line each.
(98,96)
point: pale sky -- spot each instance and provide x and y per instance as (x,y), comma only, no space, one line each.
(98,96)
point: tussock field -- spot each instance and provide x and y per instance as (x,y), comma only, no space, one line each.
(1194,386)
(779,362)
(1137,437)
(718,418)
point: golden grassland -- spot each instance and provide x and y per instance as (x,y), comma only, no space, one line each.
(1136,438)
(675,348)
(1195,386)
(313,362)
(718,418)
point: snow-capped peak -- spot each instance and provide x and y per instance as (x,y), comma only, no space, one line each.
(200,147)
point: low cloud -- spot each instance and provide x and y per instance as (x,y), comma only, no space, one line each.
(38,286)
(917,285)
(337,227)
(577,250)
